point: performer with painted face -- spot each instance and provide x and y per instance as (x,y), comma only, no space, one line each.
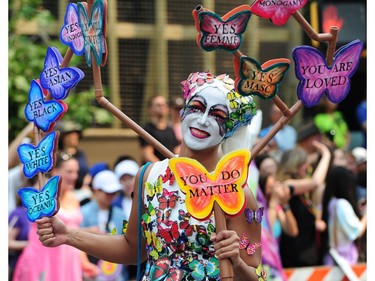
(179,229)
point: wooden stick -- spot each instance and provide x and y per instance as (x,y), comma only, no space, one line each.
(133,125)
(118,113)
(310,31)
(38,138)
(225,265)
(275,128)
(68,56)
(332,45)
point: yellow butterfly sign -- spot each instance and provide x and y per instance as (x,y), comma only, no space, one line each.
(224,185)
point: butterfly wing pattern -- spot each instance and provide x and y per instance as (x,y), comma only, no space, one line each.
(317,78)
(162,270)
(223,186)
(41,203)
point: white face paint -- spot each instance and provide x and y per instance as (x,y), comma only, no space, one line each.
(203,121)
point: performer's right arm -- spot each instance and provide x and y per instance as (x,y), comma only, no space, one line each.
(53,232)
(120,249)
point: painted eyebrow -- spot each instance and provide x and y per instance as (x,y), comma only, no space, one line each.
(217,107)
(200,99)
(220,107)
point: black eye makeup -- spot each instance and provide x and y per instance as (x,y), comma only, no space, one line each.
(197,104)
(219,111)
(220,114)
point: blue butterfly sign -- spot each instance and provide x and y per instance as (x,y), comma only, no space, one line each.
(44,114)
(41,203)
(36,159)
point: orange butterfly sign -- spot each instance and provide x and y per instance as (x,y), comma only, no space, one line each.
(224,185)
(261,80)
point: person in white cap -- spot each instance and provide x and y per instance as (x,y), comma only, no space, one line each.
(99,216)
(97,213)
(126,170)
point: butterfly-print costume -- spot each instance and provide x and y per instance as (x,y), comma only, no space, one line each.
(178,246)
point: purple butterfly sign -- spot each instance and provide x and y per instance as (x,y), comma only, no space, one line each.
(58,80)
(318,78)
(71,33)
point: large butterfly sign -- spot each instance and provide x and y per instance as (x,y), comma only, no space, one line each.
(40,203)
(58,80)
(93,30)
(261,80)
(318,78)
(225,33)
(71,33)
(40,158)
(223,186)
(277,11)
(44,114)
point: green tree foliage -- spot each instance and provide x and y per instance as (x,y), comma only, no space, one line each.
(26,56)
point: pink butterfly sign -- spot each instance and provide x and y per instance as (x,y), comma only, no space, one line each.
(317,78)
(275,10)
(215,32)
(261,80)
(224,185)
(71,33)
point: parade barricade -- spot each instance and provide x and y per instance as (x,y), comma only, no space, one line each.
(325,273)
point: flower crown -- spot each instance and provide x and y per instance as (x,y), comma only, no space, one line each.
(241,108)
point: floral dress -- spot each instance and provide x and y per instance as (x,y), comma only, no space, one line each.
(178,246)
